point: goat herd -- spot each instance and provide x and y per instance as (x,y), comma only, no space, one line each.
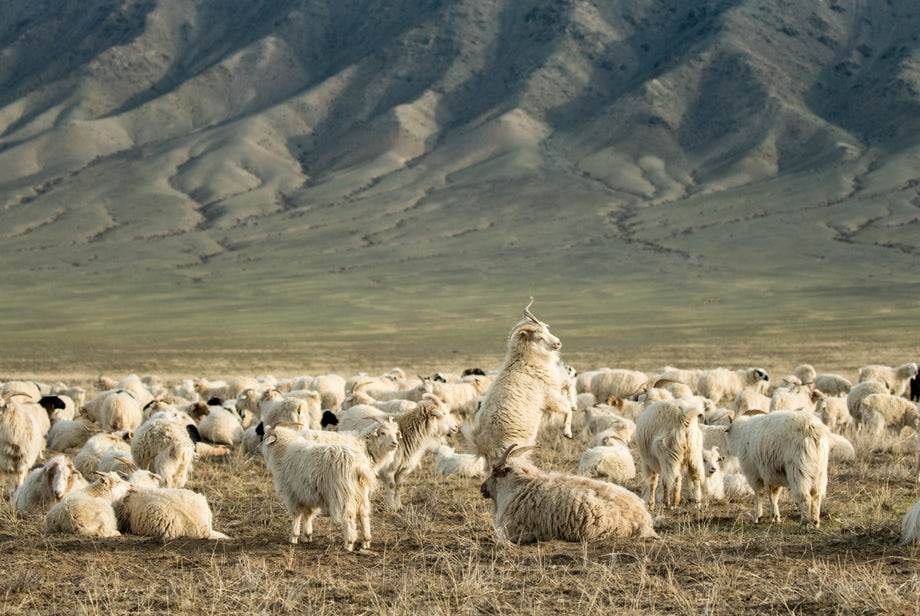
(118,461)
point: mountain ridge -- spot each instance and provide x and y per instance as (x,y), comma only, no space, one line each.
(702,153)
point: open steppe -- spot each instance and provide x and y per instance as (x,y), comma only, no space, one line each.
(438,555)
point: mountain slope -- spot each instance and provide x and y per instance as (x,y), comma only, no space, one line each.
(216,169)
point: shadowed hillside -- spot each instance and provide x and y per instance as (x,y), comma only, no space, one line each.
(237,173)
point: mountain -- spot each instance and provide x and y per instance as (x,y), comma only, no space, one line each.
(239,172)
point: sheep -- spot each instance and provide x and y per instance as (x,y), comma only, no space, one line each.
(462,399)
(722,385)
(669,441)
(833,412)
(331,388)
(896,378)
(806,374)
(251,441)
(120,411)
(878,411)
(608,383)
(860,391)
(910,525)
(689,378)
(277,407)
(21,439)
(165,445)
(47,485)
(67,435)
(379,441)
(527,386)
(841,450)
(334,477)
(833,384)
(221,426)
(532,505)
(58,407)
(26,391)
(735,486)
(87,459)
(422,431)
(748,399)
(392,407)
(117,461)
(224,390)
(449,462)
(797,397)
(713,484)
(392,380)
(609,458)
(783,449)
(89,511)
(166,514)
(145,480)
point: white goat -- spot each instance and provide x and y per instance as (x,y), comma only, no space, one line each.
(783,449)
(166,514)
(532,505)
(879,411)
(895,378)
(165,445)
(47,485)
(21,439)
(89,511)
(610,457)
(449,462)
(669,441)
(422,431)
(527,386)
(721,385)
(309,477)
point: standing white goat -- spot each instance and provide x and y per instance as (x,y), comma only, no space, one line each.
(334,477)
(529,384)
(783,449)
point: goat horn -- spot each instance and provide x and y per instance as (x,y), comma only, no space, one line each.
(528,313)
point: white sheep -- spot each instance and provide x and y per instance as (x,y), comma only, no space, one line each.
(860,391)
(688,377)
(617,382)
(601,418)
(748,400)
(390,407)
(796,397)
(449,462)
(783,449)
(669,441)
(89,511)
(120,411)
(166,514)
(840,449)
(609,458)
(58,407)
(722,385)
(713,484)
(331,388)
(735,486)
(117,461)
(527,386)
(879,411)
(221,426)
(87,459)
(532,505)
(910,525)
(24,391)
(833,384)
(334,477)
(21,439)
(834,413)
(422,431)
(379,440)
(806,374)
(302,406)
(47,485)
(896,378)
(165,445)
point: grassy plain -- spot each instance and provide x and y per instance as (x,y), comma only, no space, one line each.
(438,555)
